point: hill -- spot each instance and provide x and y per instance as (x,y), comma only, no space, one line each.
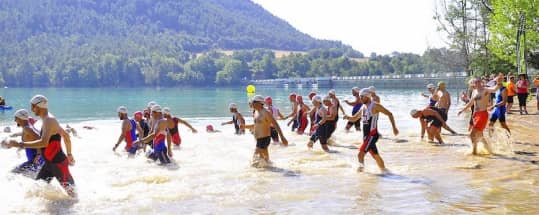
(109,42)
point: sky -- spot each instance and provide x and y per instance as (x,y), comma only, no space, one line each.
(380,26)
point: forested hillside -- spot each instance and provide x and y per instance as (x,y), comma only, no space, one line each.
(134,43)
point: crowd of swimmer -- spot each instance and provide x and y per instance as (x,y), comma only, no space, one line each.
(156,128)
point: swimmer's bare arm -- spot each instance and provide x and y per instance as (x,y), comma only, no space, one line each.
(270,118)
(294,111)
(340,107)
(50,127)
(281,117)
(423,126)
(187,124)
(67,143)
(469,105)
(382,109)
(16,134)
(355,117)
(125,128)
(228,122)
(441,119)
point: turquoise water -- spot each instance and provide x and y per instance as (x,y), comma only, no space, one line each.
(76,104)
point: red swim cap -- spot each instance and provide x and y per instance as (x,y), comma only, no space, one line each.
(138,115)
(268,100)
(299,99)
(292,96)
(209,128)
(311,95)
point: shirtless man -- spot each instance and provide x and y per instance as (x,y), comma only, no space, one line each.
(480,99)
(356,105)
(444,99)
(56,162)
(369,114)
(158,134)
(29,133)
(237,119)
(128,132)
(173,126)
(262,129)
(433,117)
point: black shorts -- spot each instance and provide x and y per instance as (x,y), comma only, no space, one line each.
(522,99)
(59,171)
(263,143)
(510,99)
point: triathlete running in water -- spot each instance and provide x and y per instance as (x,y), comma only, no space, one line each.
(173,126)
(128,132)
(369,114)
(237,119)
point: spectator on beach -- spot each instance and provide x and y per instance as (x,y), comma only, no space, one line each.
(522,92)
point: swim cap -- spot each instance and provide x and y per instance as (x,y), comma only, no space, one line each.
(268,100)
(209,128)
(355,89)
(232,106)
(430,86)
(413,112)
(22,114)
(137,115)
(317,98)
(259,98)
(326,98)
(122,109)
(365,92)
(292,96)
(156,108)
(311,95)
(40,100)
(331,92)
(372,89)
(150,104)
(166,110)
(299,99)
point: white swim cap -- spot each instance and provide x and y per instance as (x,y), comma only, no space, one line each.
(22,114)
(372,89)
(365,92)
(166,110)
(122,109)
(150,104)
(40,101)
(156,108)
(232,106)
(430,86)
(326,98)
(317,98)
(413,112)
(258,98)
(331,92)
(355,89)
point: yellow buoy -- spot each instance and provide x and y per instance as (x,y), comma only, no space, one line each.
(250,88)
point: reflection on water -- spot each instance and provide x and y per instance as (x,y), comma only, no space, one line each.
(213,174)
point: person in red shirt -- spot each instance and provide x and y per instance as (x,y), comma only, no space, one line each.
(522,92)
